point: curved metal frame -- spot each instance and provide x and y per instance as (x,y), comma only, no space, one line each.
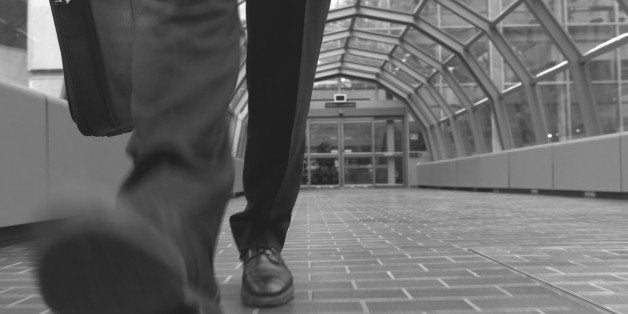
(386,74)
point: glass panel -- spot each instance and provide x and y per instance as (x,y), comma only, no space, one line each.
(588,36)
(340,4)
(493,63)
(324,137)
(328,60)
(529,40)
(468,83)
(449,140)
(590,11)
(378,27)
(455,26)
(405,6)
(305,174)
(324,171)
(388,135)
(370,45)
(333,44)
(358,170)
(577,124)
(479,6)
(363,60)
(518,111)
(484,115)
(446,92)
(389,170)
(336,26)
(412,61)
(326,85)
(427,45)
(466,133)
(416,137)
(603,72)
(554,95)
(429,13)
(401,74)
(357,137)
(430,102)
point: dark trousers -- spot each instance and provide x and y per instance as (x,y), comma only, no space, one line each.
(184,69)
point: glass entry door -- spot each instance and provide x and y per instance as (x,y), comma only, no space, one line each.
(353,152)
(323,166)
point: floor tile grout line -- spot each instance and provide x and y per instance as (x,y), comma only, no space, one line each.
(586,301)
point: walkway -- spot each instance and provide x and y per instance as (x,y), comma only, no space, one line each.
(396,250)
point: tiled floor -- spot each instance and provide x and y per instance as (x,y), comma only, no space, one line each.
(410,250)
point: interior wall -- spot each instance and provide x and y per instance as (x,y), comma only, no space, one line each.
(595,164)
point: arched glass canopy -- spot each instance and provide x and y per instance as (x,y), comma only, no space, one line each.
(484,75)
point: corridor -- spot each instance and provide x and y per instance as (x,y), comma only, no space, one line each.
(414,250)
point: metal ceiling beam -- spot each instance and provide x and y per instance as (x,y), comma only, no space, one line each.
(581,77)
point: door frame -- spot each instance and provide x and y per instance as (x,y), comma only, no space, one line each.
(339,117)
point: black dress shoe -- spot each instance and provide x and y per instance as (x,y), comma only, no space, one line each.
(266,281)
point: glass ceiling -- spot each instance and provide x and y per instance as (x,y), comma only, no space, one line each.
(459,55)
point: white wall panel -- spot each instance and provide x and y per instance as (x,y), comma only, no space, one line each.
(591,164)
(440,173)
(22,154)
(531,168)
(483,171)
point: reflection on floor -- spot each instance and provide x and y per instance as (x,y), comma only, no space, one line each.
(409,250)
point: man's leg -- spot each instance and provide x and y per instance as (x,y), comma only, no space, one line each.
(185,60)
(284,39)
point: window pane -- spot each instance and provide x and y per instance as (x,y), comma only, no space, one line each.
(333,44)
(529,40)
(324,171)
(467,134)
(413,62)
(446,92)
(340,3)
(388,135)
(468,83)
(429,46)
(378,26)
(389,170)
(590,11)
(518,111)
(450,145)
(369,45)
(323,137)
(606,95)
(363,60)
(554,95)
(405,6)
(493,63)
(357,137)
(358,170)
(337,26)
(484,115)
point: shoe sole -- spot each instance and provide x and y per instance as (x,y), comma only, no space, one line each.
(93,269)
(251,300)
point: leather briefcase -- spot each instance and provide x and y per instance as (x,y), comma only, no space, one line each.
(96,56)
